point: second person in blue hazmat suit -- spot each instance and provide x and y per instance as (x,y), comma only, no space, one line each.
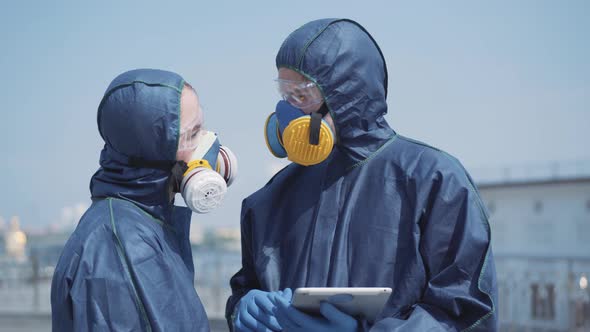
(360,206)
(128,266)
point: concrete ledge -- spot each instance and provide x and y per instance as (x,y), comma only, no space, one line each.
(41,322)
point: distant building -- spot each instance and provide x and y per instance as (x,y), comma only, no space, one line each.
(541,241)
(15,241)
(229,237)
(46,249)
(2,246)
(2,242)
(197,235)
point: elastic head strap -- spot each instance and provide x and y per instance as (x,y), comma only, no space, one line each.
(316,124)
(177,174)
(314,128)
(165,165)
(177,168)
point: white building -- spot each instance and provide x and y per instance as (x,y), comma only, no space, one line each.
(541,241)
(15,241)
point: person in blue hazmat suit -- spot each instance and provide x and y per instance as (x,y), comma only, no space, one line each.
(128,265)
(360,206)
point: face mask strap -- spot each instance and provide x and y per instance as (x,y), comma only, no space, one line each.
(316,123)
(177,174)
(165,165)
(314,128)
(177,168)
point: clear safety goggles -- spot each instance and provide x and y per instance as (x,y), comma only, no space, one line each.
(190,135)
(299,94)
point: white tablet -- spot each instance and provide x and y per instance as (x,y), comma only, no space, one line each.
(364,302)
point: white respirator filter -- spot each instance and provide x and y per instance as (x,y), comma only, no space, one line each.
(203,189)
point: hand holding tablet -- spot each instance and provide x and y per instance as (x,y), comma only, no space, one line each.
(366,302)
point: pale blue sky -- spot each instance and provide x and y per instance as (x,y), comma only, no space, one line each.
(493,83)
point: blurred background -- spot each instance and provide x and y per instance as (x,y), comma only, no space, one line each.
(503,85)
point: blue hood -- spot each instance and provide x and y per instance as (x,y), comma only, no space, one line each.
(139,117)
(342,58)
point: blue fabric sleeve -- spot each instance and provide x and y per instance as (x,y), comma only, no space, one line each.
(245,279)
(455,249)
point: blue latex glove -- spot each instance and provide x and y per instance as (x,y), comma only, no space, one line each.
(333,320)
(255,311)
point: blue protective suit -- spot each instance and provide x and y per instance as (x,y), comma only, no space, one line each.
(382,211)
(128,265)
